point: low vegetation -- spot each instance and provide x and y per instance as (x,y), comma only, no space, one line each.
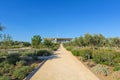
(14,56)
(99,52)
(14,69)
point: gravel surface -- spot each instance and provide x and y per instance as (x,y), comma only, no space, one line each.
(63,66)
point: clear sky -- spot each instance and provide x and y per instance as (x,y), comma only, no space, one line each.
(59,18)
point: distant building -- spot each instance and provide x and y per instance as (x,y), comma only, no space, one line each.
(59,40)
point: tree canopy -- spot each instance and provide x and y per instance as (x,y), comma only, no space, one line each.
(36,41)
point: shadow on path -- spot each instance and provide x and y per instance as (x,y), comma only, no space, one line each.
(43,62)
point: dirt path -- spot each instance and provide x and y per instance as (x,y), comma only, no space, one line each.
(63,66)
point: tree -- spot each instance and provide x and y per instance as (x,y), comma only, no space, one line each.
(48,43)
(36,41)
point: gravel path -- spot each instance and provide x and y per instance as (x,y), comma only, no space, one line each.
(63,66)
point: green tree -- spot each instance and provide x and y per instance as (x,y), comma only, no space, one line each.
(48,43)
(36,41)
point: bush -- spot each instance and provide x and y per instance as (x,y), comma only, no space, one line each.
(85,53)
(104,57)
(101,69)
(43,53)
(20,63)
(5,78)
(117,60)
(27,52)
(3,53)
(75,52)
(117,67)
(22,72)
(2,59)
(6,68)
(69,48)
(13,58)
(55,46)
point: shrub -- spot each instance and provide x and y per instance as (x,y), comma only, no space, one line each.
(43,53)
(85,53)
(6,68)
(117,60)
(117,67)
(101,69)
(104,57)
(22,72)
(5,78)
(27,53)
(20,63)
(69,48)
(2,59)
(75,52)
(34,65)
(55,46)
(13,58)
(3,53)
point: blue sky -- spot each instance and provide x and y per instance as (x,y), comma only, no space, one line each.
(59,18)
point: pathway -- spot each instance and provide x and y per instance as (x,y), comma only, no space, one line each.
(63,66)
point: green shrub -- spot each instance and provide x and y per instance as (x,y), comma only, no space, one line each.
(69,48)
(55,46)
(3,53)
(2,59)
(13,58)
(104,57)
(22,72)
(101,69)
(117,67)
(6,68)
(5,78)
(21,63)
(43,53)
(116,59)
(27,53)
(75,52)
(85,53)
